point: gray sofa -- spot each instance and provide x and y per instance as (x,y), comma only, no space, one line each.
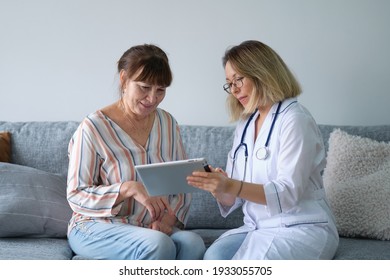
(41,148)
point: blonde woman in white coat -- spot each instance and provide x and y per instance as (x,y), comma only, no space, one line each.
(274,168)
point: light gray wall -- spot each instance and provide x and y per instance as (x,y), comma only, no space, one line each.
(58,58)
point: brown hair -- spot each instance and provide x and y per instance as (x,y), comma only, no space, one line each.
(150,60)
(272,79)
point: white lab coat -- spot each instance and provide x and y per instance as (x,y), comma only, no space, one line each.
(291,175)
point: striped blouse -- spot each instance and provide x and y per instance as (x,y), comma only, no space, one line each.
(102,156)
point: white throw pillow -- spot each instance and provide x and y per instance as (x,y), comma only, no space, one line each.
(357,184)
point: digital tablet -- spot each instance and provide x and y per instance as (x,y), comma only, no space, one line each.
(169,177)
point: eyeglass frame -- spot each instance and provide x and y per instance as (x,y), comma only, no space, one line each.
(237,83)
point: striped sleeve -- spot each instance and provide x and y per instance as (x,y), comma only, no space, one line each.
(85,192)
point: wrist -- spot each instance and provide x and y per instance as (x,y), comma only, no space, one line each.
(235,187)
(240,188)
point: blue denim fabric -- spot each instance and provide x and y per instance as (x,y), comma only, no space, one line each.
(127,242)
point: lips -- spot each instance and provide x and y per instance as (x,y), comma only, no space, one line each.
(147,106)
(243,99)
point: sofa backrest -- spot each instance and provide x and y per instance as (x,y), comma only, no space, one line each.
(43,145)
(375,132)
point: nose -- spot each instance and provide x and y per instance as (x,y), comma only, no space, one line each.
(152,95)
(234,88)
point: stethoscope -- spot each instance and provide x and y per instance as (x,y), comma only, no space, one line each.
(263,152)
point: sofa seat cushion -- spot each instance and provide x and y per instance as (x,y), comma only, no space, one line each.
(362,249)
(32,203)
(35,249)
(349,248)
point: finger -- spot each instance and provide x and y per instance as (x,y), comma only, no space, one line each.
(199,184)
(165,228)
(201,180)
(155,226)
(167,206)
(159,208)
(219,170)
(201,174)
(151,211)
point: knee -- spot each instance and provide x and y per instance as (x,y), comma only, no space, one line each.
(159,247)
(211,254)
(190,245)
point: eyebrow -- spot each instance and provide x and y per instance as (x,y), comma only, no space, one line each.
(235,77)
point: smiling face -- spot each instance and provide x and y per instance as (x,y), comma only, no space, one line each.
(242,93)
(141,98)
(145,74)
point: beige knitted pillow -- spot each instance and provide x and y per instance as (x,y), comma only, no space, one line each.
(357,184)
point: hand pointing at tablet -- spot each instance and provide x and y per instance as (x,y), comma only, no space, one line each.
(157,206)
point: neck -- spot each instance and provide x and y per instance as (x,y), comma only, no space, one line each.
(135,120)
(263,110)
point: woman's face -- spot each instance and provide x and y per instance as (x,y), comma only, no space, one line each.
(240,87)
(142,98)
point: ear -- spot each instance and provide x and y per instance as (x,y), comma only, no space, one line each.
(123,78)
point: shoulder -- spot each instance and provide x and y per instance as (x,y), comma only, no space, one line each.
(165,117)
(297,120)
(292,110)
(93,122)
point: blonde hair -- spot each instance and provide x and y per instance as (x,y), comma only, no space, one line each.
(272,79)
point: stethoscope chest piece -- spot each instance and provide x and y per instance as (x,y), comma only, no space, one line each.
(262,153)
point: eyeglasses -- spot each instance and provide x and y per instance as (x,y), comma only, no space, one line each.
(238,83)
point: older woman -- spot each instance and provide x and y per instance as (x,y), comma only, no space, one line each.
(114,217)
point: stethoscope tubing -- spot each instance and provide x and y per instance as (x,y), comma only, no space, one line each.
(243,144)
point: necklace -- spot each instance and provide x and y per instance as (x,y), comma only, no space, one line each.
(140,133)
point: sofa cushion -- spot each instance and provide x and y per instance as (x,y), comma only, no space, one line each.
(357,183)
(32,202)
(35,249)
(5,146)
(362,249)
(204,214)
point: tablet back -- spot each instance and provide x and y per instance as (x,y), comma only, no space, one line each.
(167,178)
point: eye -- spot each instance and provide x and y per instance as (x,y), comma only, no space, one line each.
(144,87)
(161,91)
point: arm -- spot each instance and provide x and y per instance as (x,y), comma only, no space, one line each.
(91,163)
(85,193)
(299,163)
(225,189)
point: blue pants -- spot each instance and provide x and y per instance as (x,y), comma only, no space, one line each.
(225,248)
(127,242)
